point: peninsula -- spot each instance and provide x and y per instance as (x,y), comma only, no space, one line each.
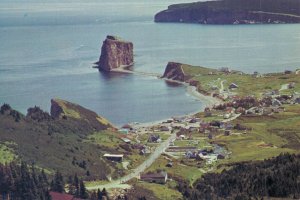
(233,12)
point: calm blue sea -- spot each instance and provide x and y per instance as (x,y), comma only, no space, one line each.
(47,49)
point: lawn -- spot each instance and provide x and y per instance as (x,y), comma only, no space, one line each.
(162,192)
(106,138)
(7,154)
(188,173)
(270,136)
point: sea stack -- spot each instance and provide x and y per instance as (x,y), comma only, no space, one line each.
(115,53)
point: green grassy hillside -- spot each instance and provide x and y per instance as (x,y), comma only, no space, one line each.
(56,143)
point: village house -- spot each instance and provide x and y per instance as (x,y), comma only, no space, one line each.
(288,72)
(114,157)
(297,100)
(124,131)
(165,128)
(227,132)
(126,140)
(233,86)
(154,138)
(225,70)
(191,154)
(291,85)
(169,164)
(160,177)
(207,112)
(276,102)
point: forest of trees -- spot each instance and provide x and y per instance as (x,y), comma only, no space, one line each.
(25,182)
(276,177)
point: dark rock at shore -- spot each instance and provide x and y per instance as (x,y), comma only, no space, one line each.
(174,71)
(233,12)
(115,53)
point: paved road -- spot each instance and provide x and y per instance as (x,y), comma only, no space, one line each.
(135,172)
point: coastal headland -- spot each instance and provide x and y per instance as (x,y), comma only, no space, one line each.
(233,12)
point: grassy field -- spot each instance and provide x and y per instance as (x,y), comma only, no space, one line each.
(248,84)
(161,192)
(180,170)
(106,138)
(270,136)
(7,154)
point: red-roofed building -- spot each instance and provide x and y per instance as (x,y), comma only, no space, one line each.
(61,196)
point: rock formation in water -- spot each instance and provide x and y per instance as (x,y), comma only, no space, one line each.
(115,53)
(175,71)
(233,12)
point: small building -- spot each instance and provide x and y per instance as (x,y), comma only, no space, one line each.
(291,85)
(225,70)
(220,156)
(126,140)
(165,128)
(154,138)
(62,196)
(182,137)
(127,126)
(276,102)
(288,72)
(170,164)
(227,132)
(297,100)
(160,178)
(233,86)
(114,157)
(124,131)
(207,112)
(227,115)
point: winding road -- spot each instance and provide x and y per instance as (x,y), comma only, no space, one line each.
(119,183)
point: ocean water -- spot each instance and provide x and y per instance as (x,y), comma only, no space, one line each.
(48,47)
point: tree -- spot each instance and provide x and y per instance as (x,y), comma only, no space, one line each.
(57,184)
(83,193)
(99,195)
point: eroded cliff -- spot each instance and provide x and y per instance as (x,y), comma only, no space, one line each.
(115,53)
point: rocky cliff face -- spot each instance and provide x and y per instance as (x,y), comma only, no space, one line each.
(115,53)
(233,12)
(61,109)
(174,71)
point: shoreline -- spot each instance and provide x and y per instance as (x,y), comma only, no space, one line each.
(208,101)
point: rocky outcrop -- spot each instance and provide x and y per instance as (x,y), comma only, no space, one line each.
(233,12)
(175,71)
(61,109)
(115,53)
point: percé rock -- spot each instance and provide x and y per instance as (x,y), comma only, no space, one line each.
(115,53)
(233,12)
(174,71)
(61,109)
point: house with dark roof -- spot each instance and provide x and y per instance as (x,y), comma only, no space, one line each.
(114,157)
(160,177)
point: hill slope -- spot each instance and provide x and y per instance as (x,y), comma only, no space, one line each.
(58,142)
